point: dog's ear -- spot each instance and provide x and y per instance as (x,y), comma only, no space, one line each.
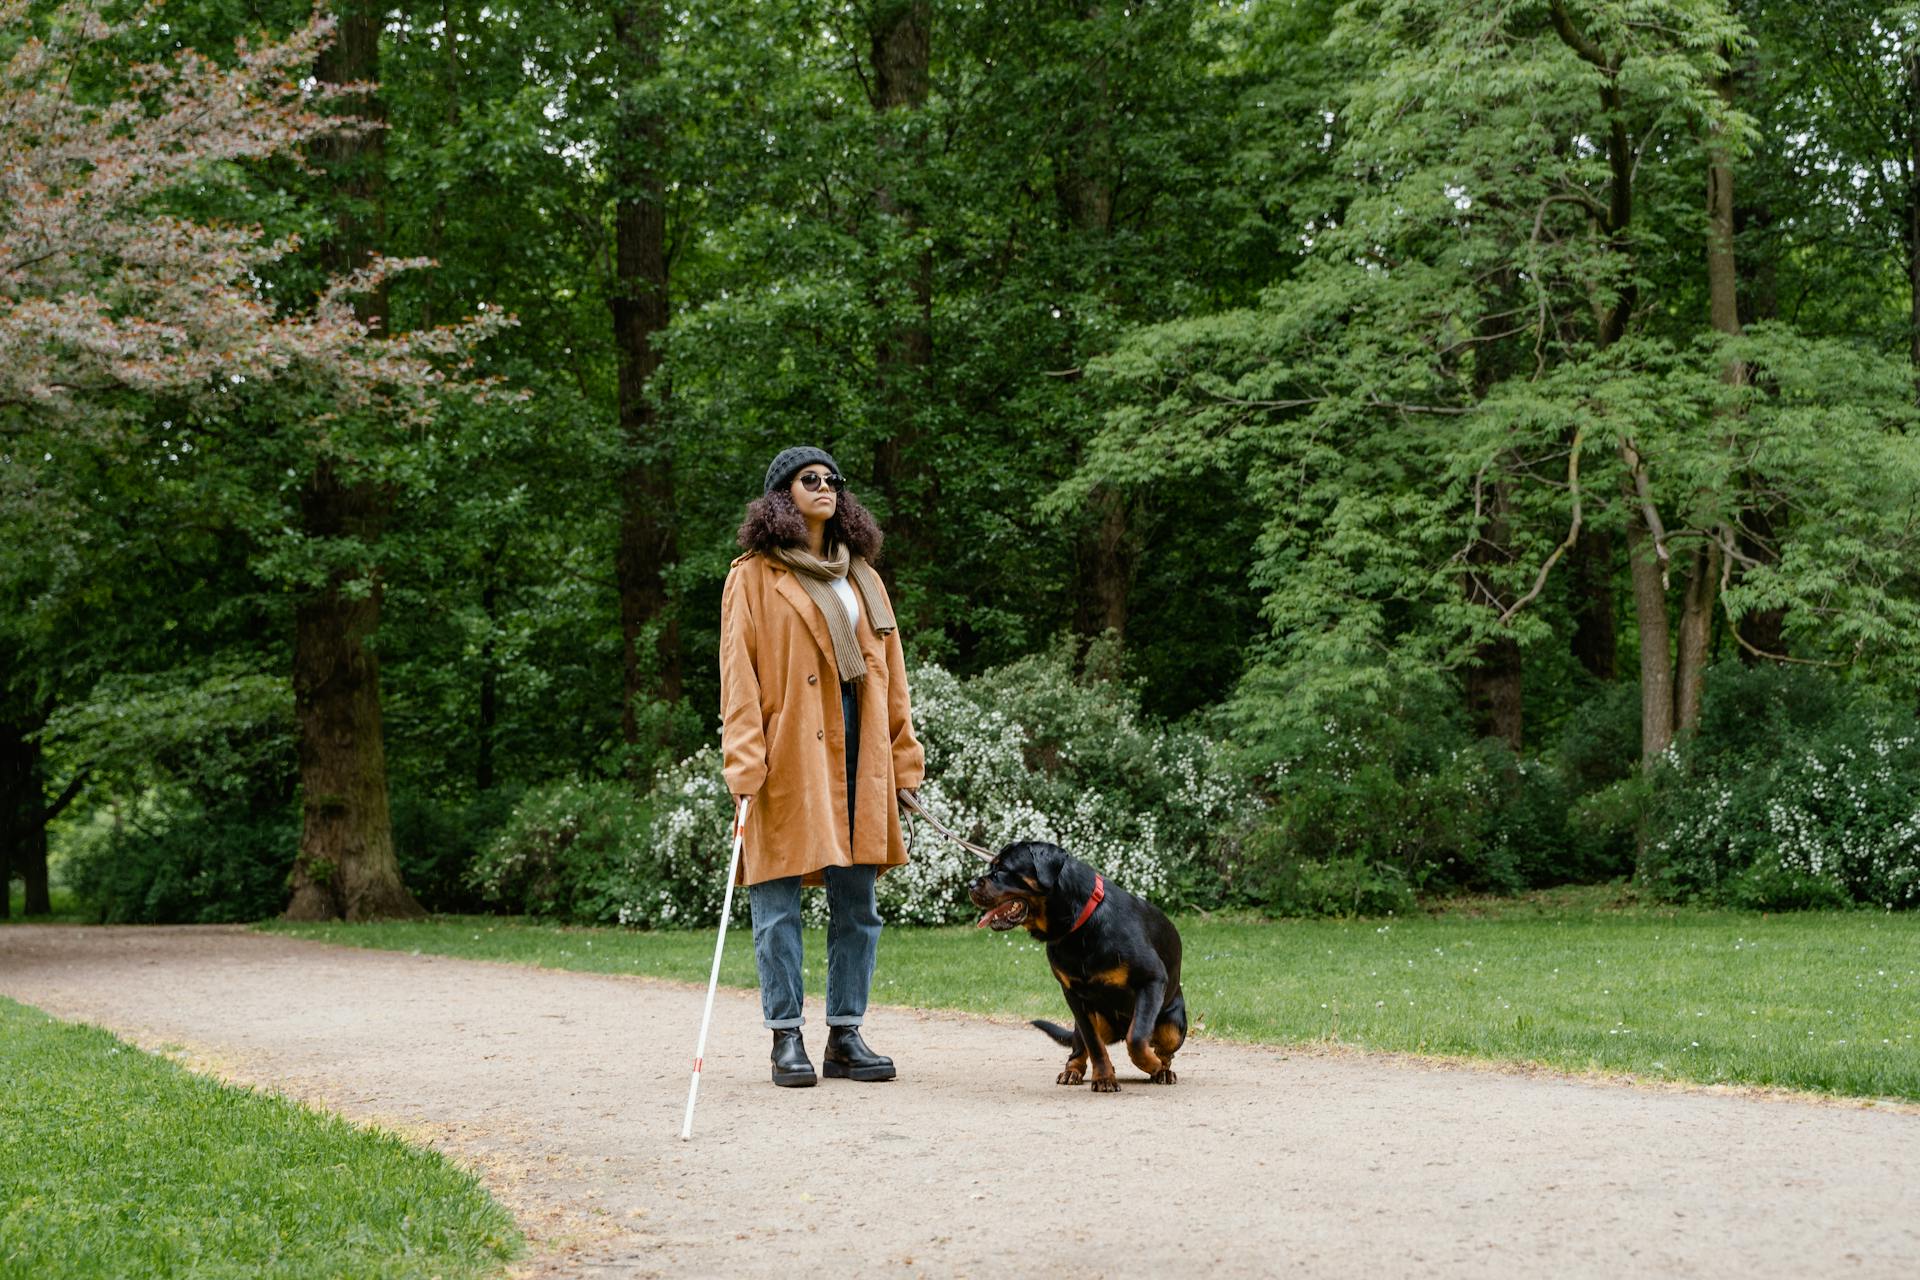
(1049,860)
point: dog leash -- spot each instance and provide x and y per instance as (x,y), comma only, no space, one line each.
(912,802)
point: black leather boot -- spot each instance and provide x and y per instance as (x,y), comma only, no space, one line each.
(791,1069)
(848,1058)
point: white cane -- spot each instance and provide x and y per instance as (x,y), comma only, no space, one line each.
(726,914)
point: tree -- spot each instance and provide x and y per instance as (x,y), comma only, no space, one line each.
(1493,350)
(126,317)
(638,171)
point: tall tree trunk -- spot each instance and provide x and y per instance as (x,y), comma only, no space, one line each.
(1656,642)
(1494,688)
(20,797)
(899,56)
(1107,556)
(1913,212)
(30,853)
(1495,693)
(648,543)
(346,865)
(1695,636)
(1723,304)
(24,811)
(489,672)
(1106,562)
(1595,643)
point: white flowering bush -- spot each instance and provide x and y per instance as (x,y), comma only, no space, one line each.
(678,877)
(1834,823)
(1790,797)
(1025,752)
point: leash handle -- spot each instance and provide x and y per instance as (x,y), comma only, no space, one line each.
(912,802)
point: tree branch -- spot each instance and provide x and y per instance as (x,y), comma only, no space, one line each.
(1573,529)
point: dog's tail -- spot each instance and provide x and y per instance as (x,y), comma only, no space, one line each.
(1061,1035)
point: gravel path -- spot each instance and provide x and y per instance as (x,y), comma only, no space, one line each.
(565,1092)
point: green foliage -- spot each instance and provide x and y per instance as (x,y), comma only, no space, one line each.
(1795,793)
(1599,744)
(439,840)
(222,731)
(1344,886)
(168,859)
(1286,317)
(564,851)
(1404,790)
(1028,751)
(119,1163)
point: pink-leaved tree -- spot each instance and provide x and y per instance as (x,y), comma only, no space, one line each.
(112,297)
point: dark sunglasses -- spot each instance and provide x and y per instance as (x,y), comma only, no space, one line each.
(811,480)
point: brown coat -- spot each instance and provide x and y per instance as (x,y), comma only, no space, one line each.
(782,738)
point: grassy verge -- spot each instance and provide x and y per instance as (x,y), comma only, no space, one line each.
(118,1163)
(1820,1001)
(66,908)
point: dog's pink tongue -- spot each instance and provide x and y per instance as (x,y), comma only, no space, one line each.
(982,922)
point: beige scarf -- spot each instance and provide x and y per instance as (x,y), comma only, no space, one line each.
(816,575)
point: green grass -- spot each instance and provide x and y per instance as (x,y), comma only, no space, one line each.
(66,908)
(1822,1001)
(118,1163)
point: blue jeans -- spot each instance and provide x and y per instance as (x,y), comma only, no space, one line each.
(853,925)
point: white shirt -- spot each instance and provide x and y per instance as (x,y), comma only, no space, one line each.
(849,600)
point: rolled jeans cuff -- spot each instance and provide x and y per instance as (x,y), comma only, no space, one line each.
(785,1024)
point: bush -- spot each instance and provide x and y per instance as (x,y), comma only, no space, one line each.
(170,860)
(437,841)
(1404,789)
(1600,743)
(1340,886)
(562,852)
(1790,795)
(1024,752)
(1029,752)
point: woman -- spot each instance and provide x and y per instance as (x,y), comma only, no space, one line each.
(813,696)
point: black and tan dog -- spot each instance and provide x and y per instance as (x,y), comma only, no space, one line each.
(1117,958)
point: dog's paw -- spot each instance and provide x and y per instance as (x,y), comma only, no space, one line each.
(1164,1076)
(1071,1076)
(1105,1084)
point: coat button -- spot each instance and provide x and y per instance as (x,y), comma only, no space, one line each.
(813,679)
(819,733)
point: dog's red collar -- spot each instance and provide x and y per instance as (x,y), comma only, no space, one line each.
(1093,900)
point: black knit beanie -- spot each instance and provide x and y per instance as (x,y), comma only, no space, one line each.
(787,464)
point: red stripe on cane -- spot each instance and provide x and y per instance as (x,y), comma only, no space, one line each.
(696,1065)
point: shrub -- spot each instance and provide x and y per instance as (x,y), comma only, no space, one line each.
(170,860)
(437,840)
(678,875)
(1028,752)
(1599,744)
(1405,789)
(1340,886)
(561,853)
(1024,752)
(1790,795)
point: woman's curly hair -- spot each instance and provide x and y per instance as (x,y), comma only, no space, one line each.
(773,521)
